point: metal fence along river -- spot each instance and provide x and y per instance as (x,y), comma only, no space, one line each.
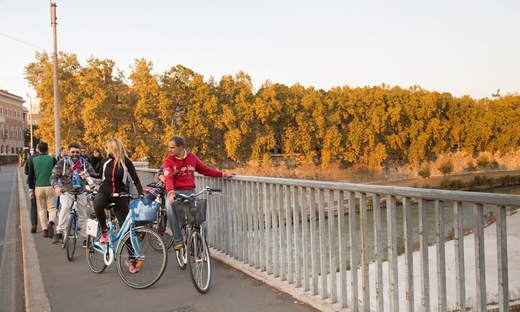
(298,231)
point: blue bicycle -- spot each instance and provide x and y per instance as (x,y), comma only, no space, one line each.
(129,244)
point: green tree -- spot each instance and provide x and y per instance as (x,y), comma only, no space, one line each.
(482,162)
(446,166)
(425,170)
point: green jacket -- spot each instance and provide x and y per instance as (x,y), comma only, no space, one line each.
(40,171)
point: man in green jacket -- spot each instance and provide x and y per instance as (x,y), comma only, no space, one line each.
(40,187)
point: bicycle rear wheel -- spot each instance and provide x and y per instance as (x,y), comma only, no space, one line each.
(199,262)
(71,237)
(151,264)
(180,255)
(95,258)
(160,226)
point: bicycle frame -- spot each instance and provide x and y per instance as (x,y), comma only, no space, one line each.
(115,240)
(73,213)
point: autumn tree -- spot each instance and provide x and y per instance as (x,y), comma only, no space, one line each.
(40,75)
(227,119)
(235,95)
(149,132)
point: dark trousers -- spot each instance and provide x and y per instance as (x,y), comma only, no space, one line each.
(34,211)
(121,208)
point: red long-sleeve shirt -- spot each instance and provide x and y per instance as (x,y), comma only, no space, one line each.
(179,174)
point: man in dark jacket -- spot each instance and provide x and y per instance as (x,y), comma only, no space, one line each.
(40,170)
(34,208)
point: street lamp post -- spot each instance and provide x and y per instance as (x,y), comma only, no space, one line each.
(57,138)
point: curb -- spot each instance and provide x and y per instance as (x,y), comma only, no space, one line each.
(35,295)
(299,294)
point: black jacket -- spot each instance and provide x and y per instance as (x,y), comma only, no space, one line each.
(115,179)
(26,166)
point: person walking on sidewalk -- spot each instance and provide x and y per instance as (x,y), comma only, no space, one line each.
(63,153)
(40,170)
(34,208)
(70,171)
(179,176)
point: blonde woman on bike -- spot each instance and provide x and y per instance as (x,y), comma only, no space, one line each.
(115,172)
(179,176)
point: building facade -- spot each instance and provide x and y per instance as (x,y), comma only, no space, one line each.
(13,122)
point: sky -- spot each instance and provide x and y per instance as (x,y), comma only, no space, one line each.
(461,47)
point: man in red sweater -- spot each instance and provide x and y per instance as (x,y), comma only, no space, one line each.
(179,176)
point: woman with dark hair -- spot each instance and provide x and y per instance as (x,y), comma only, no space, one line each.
(95,160)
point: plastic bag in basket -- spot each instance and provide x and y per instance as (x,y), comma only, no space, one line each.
(143,210)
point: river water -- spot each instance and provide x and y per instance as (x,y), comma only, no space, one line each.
(468,217)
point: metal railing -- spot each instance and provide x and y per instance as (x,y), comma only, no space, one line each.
(365,247)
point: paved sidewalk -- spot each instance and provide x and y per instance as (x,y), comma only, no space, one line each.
(52,283)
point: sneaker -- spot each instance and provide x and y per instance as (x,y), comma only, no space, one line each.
(104,238)
(57,238)
(50,229)
(33,229)
(178,245)
(45,233)
(84,245)
(132,266)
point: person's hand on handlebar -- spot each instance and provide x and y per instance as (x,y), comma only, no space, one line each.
(171,197)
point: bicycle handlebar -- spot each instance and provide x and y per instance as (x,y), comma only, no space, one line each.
(86,191)
(207,189)
(122,195)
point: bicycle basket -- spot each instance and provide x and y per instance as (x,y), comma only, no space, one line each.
(143,210)
(193,211)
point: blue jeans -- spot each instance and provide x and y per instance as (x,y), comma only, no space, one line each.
(174,220)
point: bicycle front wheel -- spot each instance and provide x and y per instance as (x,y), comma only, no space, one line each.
(95,258)
(138,264)
(199,262)
(180,255)
(71,237)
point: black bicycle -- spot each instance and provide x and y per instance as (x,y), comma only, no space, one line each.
(70,236)
(191,212)
(160,225)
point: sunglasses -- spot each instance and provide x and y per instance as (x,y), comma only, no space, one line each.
(74,152)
